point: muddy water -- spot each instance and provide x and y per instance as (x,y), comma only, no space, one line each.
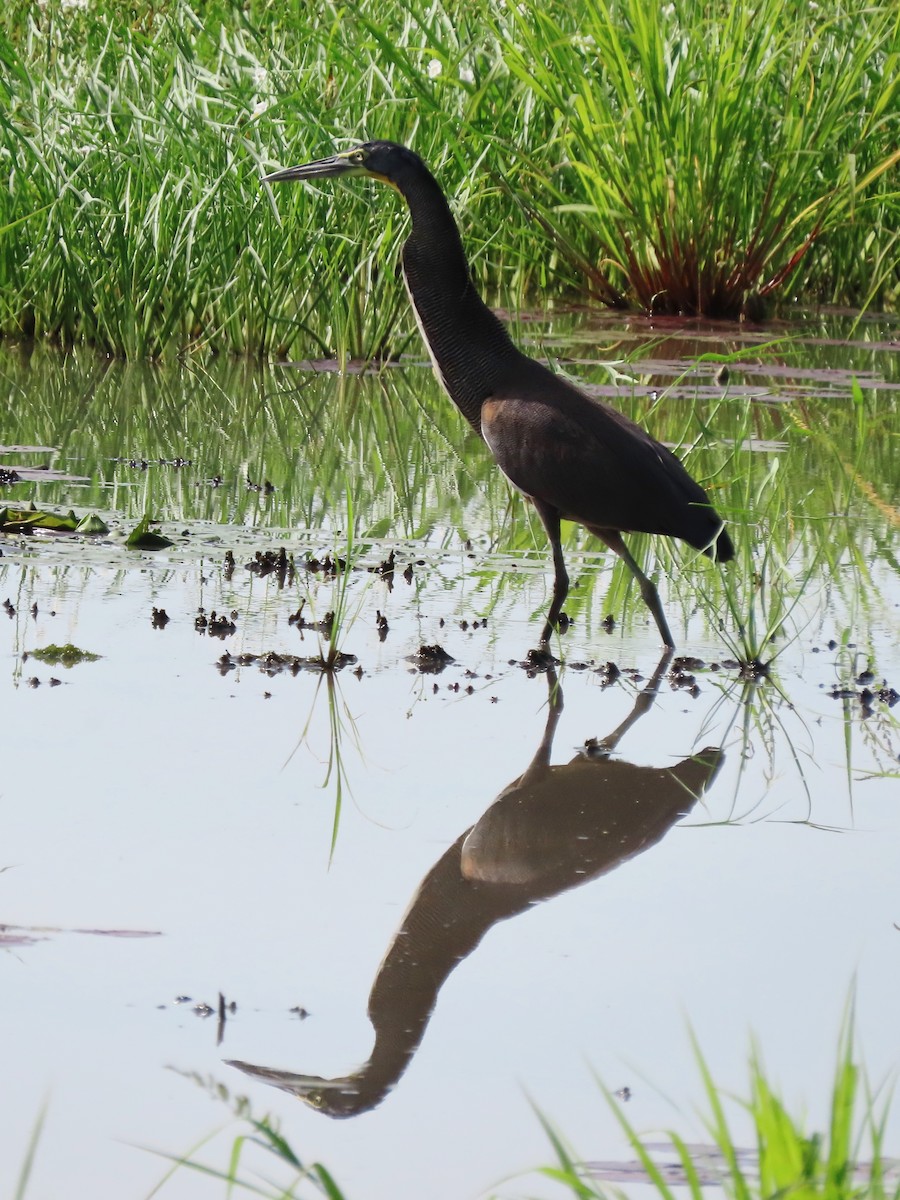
(437,897)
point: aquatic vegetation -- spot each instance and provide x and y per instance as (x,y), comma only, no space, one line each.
(29,1156)
(63,656)
(134,218)
(142,537)
(848,1160)
(715,161)
(796,453)
(261,1134)
(30,518)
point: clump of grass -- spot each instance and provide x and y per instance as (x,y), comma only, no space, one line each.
(62,656)
(262,1134)
(801,505)
(845,1163)
(714,157)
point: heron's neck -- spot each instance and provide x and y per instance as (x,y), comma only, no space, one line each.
(469,347)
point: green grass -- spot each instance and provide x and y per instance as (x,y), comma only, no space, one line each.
(846,1162)
(260,1141)
(718,147)
(29,1156)
(707,159)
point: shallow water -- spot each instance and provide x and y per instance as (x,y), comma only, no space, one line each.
(295,841)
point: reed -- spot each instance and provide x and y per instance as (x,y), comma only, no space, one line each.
(845,1162)
(755,157)
(722,155)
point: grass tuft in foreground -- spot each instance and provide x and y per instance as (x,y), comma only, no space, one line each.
(260,1141)
(845,1163)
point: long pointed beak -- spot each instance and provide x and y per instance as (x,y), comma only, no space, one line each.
(323,168)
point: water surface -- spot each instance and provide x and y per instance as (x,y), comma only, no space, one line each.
(525,913)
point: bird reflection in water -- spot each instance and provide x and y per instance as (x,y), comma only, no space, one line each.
(553,828)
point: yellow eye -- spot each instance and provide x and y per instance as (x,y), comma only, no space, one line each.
(358,157)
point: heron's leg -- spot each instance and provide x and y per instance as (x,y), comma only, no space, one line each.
(649,593)
(550,520)
(642,704)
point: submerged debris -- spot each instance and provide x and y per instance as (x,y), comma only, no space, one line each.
(477,623)
(141,464)
(221,626)
(272,562)
(681,674)
(609,673)
(215,625)
(266,488)
(866,695)
(324,626)
(328,566)
(272,663)
(753,669)
(536,662)
(430,660)
(385,570)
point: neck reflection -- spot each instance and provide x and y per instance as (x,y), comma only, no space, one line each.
(553,828)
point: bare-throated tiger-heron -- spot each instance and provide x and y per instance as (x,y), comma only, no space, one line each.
(573,457)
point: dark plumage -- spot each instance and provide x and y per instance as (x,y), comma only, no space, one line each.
(572,456)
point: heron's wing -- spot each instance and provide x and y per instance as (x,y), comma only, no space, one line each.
(594,465)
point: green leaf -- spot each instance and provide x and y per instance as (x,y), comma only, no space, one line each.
(91,523)
(142,537)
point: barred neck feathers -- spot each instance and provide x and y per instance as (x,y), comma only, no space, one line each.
(469,347)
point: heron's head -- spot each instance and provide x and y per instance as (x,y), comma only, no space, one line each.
(385,161)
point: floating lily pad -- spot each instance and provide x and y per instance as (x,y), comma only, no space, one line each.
(23,520)
(142,537)
(91,523)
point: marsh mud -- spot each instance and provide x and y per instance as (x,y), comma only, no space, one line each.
(483,873)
